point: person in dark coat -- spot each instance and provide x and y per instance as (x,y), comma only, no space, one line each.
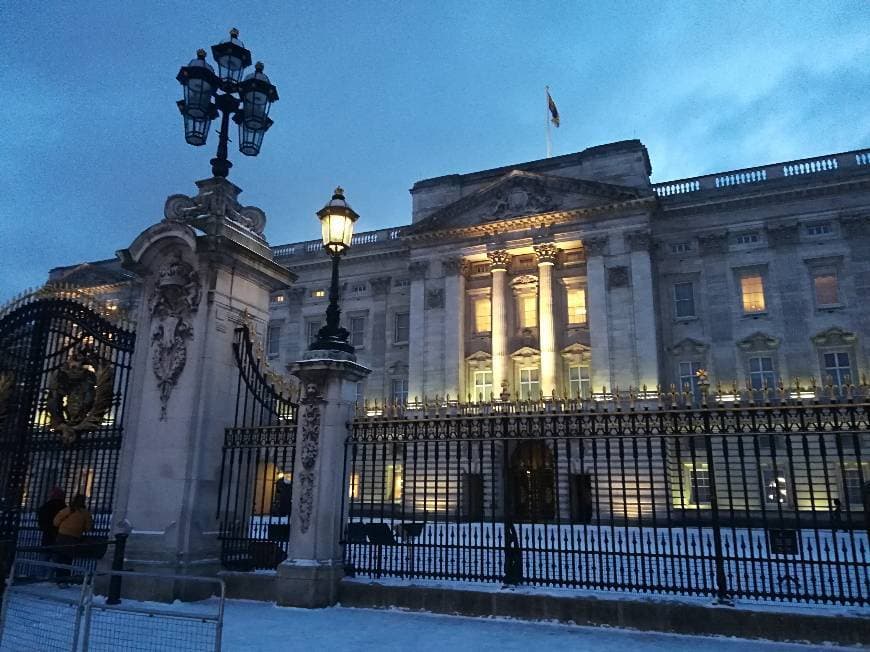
(71,522)
(46,513)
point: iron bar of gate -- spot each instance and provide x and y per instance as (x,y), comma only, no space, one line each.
(744,499)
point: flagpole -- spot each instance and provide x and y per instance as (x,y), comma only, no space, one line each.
(547,118)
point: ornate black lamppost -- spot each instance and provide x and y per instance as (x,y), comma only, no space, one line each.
(336,220)
(207,93)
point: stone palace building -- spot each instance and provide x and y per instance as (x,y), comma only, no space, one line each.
(575,273)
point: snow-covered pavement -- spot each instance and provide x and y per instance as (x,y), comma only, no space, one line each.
(255,626)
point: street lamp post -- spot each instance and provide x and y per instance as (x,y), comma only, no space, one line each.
(207,93)
(336,220)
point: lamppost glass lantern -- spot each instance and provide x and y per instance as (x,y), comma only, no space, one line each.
(196,129)
(336,222)
(250,139)
(257,94)
(232,58)
(200,84)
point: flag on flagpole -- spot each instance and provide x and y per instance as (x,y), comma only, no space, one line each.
(554,112)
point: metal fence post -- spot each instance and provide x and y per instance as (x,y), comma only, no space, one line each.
(719,558)
(114,596)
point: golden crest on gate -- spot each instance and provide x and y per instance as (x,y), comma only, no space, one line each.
(79,394)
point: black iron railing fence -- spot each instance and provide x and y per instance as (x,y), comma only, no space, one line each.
(732,499)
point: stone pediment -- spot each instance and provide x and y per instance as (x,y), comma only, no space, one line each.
(521,194)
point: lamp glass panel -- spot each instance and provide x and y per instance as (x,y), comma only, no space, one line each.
(250,140)
(195,129)
(230,67)
(256,108)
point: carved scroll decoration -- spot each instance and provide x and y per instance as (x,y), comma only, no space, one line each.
(310,440)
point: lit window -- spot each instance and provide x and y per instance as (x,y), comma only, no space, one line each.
(775,488)
(853,484)
(530,383)
(577,306)
(689,377)
(681,247)
(747,238)
(696,484)
(278,298)
(684,300)
(482,315)
(394,482)
(827,293)
(273,338)
(318,294)
(837,370)
(357,330)
(482,385)
(354,489)
(399,390)
(528,311)
(401,328)
(579,382)
(761,373)
(752,293)
(823,228)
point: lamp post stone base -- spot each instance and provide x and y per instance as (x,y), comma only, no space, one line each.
(308,584)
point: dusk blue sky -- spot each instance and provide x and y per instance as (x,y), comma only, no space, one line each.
(377,95)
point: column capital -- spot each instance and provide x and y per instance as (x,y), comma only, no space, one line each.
(595,245)
(499,260)
(638,240)
(453,265)
(783,234)
(713,243)
(547,253)
(418,269)
(380,286)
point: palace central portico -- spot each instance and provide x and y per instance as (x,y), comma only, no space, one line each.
(575,273)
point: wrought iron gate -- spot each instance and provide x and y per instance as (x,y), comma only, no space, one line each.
(256,480)
(64,367)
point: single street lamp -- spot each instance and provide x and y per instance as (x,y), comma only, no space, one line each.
(207,93)
(336,221)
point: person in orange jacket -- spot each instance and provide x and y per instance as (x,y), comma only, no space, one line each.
(71,523)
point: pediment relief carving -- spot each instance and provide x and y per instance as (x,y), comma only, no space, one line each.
(834,336)
(689,346)
(526,354)
(398,369)
(576,353)
(479,360)
(758,342)
(526,280)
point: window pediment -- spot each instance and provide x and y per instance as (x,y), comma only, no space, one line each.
(689,346)
(834,336)
(576,353)
(479,360)
(526,355)
(758,342)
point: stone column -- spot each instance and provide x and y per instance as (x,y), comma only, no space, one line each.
(417,332)
(547,254)
(454,326)
(643,294)
(205,269)
(596,299)
(310,575)
(498,265)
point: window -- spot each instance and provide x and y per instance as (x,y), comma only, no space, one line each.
(775,488)
(681,247)
(358,288)
(837,368)
(278,298)
(746,238)
(482,386)
(360,392)
(853,482)
(357,331)
(399,390)
(394,482)
(273,339)
(313,327)
(752,293)
(761,373)
(482,315)
(579,382)
(577,306)
(822,228)
(689,377)
(684,300)
(401,328)
(402,282)
(825,286)
(696,485)
(530,383)
(528,311)
(318,294)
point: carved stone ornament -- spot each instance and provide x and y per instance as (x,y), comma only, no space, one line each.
(638,240)
(547,253)
(855,224)
(216,198)
(758,342)
(499,259)
(296,294)
(689,346)
(595,246)
(380,286)
(834,337)
(310,448)
(781,235)
(522,201)
(79,394)
(435,298)
(454,265)
(713,243)
(617,277)
(173,301)
(418,269)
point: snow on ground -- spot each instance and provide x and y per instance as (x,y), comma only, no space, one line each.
(255,626)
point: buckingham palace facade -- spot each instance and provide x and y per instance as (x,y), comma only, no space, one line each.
(574,275)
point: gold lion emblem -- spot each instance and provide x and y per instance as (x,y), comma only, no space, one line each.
(79,395)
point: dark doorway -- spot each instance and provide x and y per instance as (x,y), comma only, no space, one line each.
(533,482)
